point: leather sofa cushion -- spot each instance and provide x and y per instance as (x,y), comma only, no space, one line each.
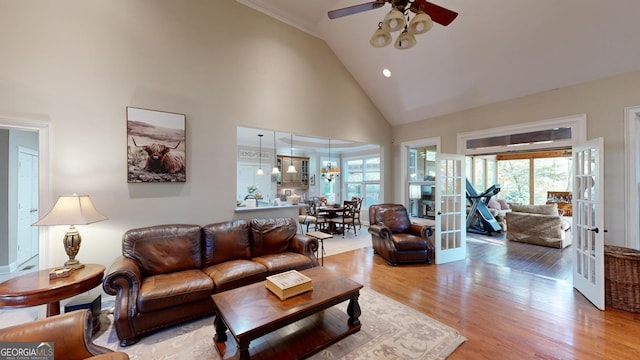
(280,262)
(173,289)
(235,273)
(226,241)
(272,236)
(395,218)
(408,242)
(164,249)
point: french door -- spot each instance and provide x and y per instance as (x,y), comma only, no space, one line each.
(588,221)
(450,237)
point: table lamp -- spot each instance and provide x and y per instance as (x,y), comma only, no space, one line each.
(72,210)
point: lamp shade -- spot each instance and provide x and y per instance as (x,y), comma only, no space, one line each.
(394,21)
(380,38)
(406,40)
(71,210)
(420,24)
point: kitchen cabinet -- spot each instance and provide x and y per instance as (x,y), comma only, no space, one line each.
(298,180)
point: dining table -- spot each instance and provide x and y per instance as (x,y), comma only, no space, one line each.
(330,212)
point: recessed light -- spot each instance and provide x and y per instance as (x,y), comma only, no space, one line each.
(386,73)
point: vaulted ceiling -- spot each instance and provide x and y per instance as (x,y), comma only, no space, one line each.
(495,50)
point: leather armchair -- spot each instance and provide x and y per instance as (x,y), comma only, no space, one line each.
(70,334)
(396,239)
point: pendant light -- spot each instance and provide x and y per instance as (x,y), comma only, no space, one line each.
(275,170)
(291,169)
(260,172)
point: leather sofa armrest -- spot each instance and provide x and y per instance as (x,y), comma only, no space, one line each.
(380,230)
(70,332)
(306,246)
(124,273)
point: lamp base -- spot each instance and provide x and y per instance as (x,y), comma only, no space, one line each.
(73,264)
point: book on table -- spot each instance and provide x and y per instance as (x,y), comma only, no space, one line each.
(288,284)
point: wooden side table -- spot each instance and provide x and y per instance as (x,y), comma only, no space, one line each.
(36,289)
(320,236)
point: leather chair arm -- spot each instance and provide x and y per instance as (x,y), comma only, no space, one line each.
(424,231)
(380,230)
(70,332)
(306,246)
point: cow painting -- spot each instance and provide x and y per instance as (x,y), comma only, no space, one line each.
(156,146)
(161,160)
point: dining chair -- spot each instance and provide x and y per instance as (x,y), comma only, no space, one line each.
(357,212)
(348,216)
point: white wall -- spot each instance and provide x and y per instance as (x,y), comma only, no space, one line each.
(79,63)
(602,101)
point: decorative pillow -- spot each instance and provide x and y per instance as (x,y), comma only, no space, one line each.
(493,204)
(550,209)
(503,204)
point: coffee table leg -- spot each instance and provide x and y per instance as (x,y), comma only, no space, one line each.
(53,308)
(243,350)
(221,329)
(353,310)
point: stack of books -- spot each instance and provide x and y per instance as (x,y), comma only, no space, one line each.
(288,284)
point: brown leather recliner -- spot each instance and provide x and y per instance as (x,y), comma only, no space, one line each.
(70,334)
(396,239)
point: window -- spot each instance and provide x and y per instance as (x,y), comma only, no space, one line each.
(362,179)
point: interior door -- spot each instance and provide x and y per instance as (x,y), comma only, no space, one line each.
(588,221)
(450,238)
(27,235)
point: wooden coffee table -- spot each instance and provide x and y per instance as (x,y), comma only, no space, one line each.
(35,288)
(291,328)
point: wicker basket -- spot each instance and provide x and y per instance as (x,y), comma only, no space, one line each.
(622,278)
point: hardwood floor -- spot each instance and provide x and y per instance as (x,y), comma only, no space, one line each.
(504,313)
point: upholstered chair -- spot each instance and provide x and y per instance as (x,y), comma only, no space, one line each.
(70,333)
(396,239)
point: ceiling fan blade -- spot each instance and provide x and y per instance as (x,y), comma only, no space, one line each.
(350,10)
(437,13)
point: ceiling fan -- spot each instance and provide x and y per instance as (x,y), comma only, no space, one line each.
(439,14)
(425,11)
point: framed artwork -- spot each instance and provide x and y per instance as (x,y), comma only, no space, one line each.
(156,148)
(312,179)
(287,192)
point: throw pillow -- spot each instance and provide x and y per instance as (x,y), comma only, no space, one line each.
(493,204)
(503,204)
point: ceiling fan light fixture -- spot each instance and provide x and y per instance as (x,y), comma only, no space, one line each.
(421,23)
(394,21)
(380,38)
(406,40)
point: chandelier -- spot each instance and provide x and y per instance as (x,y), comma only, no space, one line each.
(395,21)
(330,173)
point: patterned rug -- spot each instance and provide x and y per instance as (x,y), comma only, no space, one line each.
(390,330)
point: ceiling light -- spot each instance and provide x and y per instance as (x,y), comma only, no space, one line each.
(420,24)
(276,169)
(386,73)
(406,40)
(394,21)
(380,38)
(291,169)
(260,172)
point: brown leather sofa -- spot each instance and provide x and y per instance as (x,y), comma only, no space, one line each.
(70,334)
(167,273)
(396,239)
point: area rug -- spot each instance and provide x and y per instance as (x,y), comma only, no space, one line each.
(390,330)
